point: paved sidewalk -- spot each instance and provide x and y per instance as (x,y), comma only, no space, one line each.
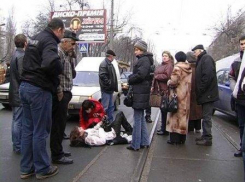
(192,163)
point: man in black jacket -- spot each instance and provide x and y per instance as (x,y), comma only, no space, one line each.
(108,83)
(206,91)
(41,67)
(20,41)
(240,98)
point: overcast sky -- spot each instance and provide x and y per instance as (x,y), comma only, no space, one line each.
(170,24)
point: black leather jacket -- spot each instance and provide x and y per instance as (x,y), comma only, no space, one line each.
(15,72)
(41,65)
(107,77)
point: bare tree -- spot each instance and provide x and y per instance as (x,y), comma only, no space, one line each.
(227,34)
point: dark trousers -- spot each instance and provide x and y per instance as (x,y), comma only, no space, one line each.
(119,121)
(59,117)
(164,119)
(148,111)
(194,124)
(207,110)
(241,120)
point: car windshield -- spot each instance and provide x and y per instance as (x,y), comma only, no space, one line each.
(86,79)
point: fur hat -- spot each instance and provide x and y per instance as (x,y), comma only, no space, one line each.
(142,45)
(200,46)
(110,52)
(180,56)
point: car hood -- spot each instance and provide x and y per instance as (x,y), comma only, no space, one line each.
(4,86)
(84,91)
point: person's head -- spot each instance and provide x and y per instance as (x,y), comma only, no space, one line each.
(190,57)
(68,42)
(197,50)
(77,136)
(88,106)
(166,57)
(110,55)
(57,26)
(242,43)
(180,56)
(140,47)
(20,41)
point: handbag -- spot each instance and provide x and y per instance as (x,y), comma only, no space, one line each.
(128,101)
(156,99)
(173,103)
(169,104)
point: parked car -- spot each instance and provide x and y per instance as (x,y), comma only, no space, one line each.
(124,80)
(86,84)
(223,104)
(4,95)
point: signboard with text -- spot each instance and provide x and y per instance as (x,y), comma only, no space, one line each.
(89,25)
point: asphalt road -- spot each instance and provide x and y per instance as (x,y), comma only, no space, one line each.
(106,163)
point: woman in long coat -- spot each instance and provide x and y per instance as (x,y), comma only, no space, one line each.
(161,76)
(177,123)
(195,110)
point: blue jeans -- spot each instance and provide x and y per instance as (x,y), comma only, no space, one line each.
(140,133)
(241,120)
(16,128)
(36,125)
(107,102)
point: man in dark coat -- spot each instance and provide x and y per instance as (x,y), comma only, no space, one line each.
(240,96)
(139,80)
(108,83)
(41,68)
(20,41)
(206,91)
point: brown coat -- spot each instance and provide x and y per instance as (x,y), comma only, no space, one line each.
(181,79)
(195,110)
(161,76)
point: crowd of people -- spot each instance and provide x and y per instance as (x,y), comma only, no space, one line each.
(41,78)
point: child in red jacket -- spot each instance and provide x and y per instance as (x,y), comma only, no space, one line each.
(91,113)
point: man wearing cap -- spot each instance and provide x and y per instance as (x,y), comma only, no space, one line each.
(62,98)
(206,91)
(108,83)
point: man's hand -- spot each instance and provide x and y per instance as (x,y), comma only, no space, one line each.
(60,96)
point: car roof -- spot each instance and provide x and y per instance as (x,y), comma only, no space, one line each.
(226,62)
(89,64)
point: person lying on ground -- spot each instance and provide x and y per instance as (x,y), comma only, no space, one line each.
(103,133)
(91,113)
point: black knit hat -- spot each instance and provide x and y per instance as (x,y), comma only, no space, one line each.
(110,52)
(180,56)
(71,35)
(200,46)
(142,45)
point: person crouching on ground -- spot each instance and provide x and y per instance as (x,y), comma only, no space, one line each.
(104,132)
(180,81)
(91,113)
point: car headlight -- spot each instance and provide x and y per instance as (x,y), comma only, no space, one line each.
(82,98)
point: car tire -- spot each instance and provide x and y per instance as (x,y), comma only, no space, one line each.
(116,103)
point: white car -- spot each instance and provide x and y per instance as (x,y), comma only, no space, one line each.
(86,84)
(4,95)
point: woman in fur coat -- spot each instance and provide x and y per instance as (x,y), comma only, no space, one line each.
(177,123)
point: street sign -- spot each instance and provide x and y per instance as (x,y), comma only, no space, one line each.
(83,47)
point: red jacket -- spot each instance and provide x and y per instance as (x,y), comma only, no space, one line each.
(91,119)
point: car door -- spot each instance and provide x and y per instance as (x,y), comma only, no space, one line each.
(227,94)
(220,78)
